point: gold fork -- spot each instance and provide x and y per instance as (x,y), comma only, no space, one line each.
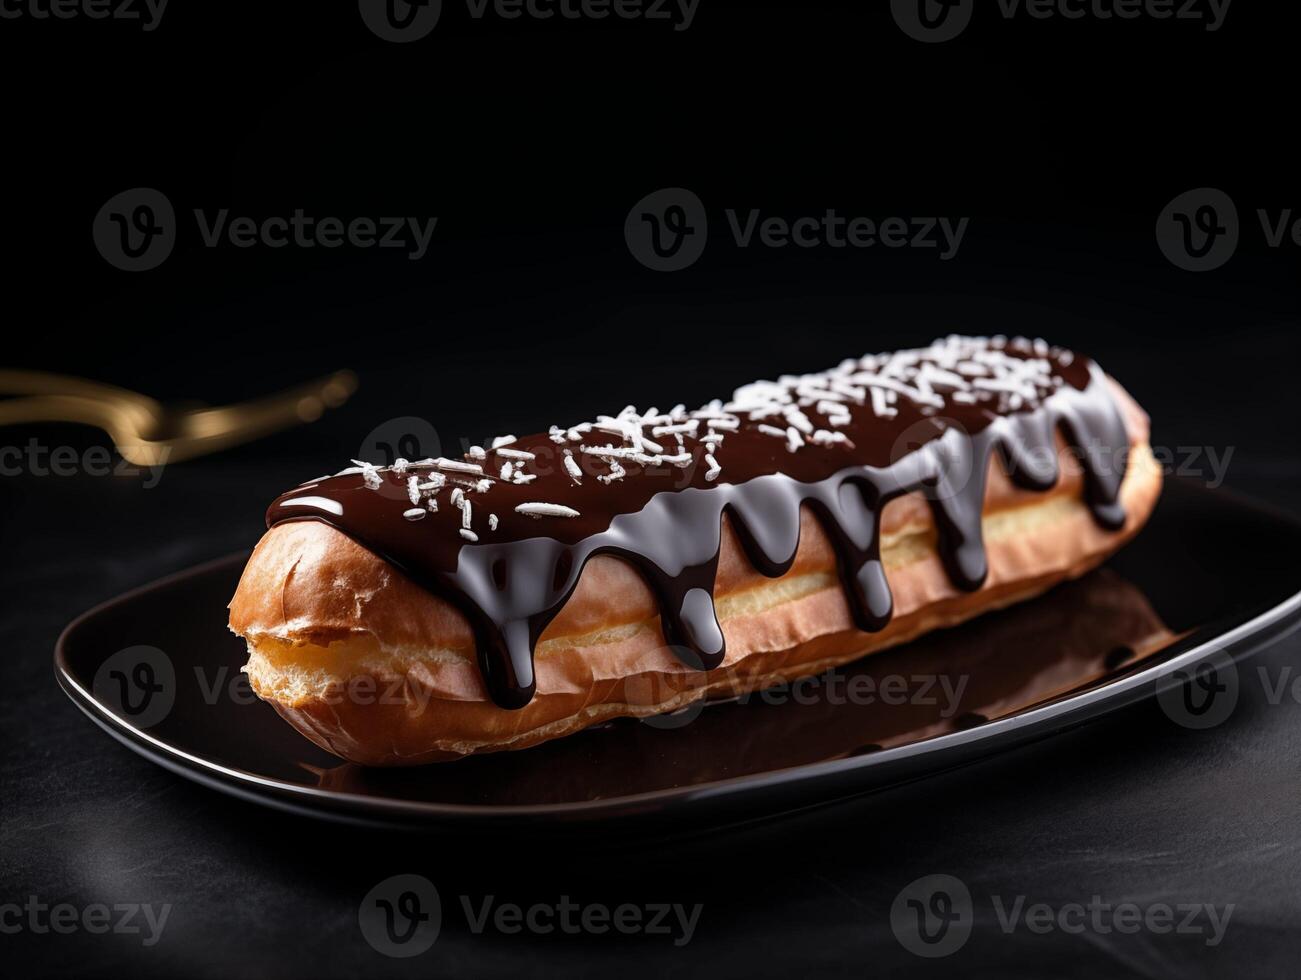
(147,433)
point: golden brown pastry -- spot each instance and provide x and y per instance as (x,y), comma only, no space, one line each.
(425,610)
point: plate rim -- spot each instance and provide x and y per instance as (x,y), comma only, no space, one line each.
(955,748)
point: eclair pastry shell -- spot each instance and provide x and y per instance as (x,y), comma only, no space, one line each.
(377,670)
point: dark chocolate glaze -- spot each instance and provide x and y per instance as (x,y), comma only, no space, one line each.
(666,520)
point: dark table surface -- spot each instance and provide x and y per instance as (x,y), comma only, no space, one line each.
(1131,809)
(531,141)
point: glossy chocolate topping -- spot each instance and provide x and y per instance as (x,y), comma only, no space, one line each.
(504,533)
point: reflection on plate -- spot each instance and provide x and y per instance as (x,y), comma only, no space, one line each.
(1069,640)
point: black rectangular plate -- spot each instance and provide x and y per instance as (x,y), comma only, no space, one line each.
(1212,577)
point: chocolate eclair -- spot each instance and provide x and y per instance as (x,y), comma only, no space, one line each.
(423,610)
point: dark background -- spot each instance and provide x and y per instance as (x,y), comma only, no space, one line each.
(530,141)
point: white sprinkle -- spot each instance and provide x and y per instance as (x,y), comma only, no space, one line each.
(545,510)
(824,437)
(669,430)
(457,496)
(456,466)
(521,478)
(793,439)
(432,505)
(772,430)
(711,474)
(515,454)
(476,452)
(413,489)
(436,481)
(617,472)
(726,424)
(1009,385)
(506,470)
(414,514)
(572,467)
(798,420)
(492,522)
(507,440)
(466,508)
(400,466)
(916,394)
(468,534)
(881,405)
(610,452)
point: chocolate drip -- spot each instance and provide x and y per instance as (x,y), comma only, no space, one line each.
(667,521)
